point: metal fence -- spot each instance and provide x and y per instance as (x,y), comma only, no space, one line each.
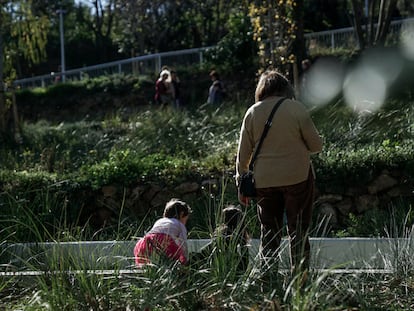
(150,64)
(346,37)
(147,64)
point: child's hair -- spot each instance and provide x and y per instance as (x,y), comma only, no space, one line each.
(233,223)
(232,216)
(176,208)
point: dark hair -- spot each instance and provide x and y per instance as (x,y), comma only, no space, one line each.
(233,224)
(306,63)
(214,74)
(232,216)
(176,208)
(273,83)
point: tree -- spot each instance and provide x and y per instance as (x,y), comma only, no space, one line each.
(101,24)
(237,50)
(323,15)
(22,33)
(372,28)
(148,26)
(278,28)
(406,7)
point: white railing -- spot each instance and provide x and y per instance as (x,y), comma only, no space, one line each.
(346,37)
(147,64)
(150,64)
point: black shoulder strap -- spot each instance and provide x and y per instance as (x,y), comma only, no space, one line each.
(265,130)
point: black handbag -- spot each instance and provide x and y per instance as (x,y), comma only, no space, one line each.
(247,185)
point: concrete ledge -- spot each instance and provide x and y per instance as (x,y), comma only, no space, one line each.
(125,272)
(327,253)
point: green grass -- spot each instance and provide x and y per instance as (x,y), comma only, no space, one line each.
(215,286)
(47,173)
(43,177)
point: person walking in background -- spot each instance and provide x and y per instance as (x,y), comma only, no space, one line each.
(282,171)
(216,92)
(303,85)
(167,237)
(164,89)
(176,83)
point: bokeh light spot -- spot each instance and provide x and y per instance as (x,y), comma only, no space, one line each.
(387,63)
(365,89)
(407,40)
(323,82)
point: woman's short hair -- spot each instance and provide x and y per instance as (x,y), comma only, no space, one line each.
(273,83)
(176,208)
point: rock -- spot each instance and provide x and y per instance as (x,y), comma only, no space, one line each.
(151,192)
(109,191)
(355,191)
(383,182)
(345,206)
(366,202)
(139,208)
(210,186)
(161,198)
(187,187)
(329,214)
(394,192)
(137,192)
(328,198)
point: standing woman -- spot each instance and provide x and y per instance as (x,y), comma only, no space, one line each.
(164,89)
(283,173)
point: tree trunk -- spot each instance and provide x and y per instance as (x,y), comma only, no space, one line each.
(17,132)
(2,97)
(298,45)
(370,22)
(387,9)
(357,10)
(371,36)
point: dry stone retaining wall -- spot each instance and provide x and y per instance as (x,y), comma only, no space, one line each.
(336,206)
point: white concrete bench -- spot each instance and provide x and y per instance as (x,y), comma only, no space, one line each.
(327,253)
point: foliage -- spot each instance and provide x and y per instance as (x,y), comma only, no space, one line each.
(23,34)
(359,147)
(158,26)
(236,50)
(372,27)
(170,146)
(274,30)
(124,167)
(322,15)
(59,148)
(376,222)
(65,283)
(116,84)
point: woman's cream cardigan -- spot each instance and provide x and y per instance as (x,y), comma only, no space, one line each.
(284,158)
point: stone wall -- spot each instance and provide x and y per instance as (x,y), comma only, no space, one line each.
(380,192)
(335,205)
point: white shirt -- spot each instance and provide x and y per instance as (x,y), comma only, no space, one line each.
(174,228)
